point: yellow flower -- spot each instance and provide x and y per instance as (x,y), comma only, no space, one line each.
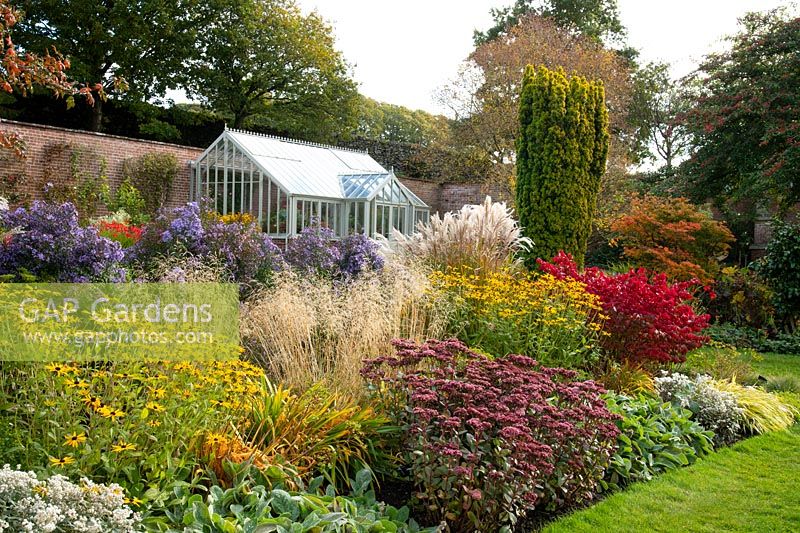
(92,401)
(123,446)
(156,407)
(158,392)
(77,383)
(60,368)
(153,423)
(133,501)
(216,438)
(108,412)
(63,461)
(75,439)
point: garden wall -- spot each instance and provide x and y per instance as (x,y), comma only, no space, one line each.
(50,155)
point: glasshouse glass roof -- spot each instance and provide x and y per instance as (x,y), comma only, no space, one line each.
(303,168)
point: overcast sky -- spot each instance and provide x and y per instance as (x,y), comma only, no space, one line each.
(403,50)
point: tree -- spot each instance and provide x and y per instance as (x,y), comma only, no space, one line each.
(745,119)
(21,73)
(143,42)
(484,98)
(561,156)
(672,236)
(381,121)
(595,19)
(265,62)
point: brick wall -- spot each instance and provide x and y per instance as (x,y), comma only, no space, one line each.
(51,151)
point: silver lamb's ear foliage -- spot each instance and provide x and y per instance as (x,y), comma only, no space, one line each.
(484,237)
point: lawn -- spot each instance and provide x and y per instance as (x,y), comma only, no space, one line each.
(778,365)
(751,486)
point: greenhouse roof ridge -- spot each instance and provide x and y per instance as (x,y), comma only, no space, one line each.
(296,141)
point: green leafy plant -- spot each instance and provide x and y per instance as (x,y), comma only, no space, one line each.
(128,199)
(153,175)
(780,266)
(722,361)
(741,298)
(654,437)
(247,507)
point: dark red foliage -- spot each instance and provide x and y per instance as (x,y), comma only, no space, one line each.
(649,319)
(488,440)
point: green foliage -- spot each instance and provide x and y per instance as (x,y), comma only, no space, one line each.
(654,437)
(317,432)
(144,42)
(739,337)
(153,176)
(597,19)
(561,156)
(742,298)
(780,266)
(722,361)
(128,199)
(136,424)
(397,124)
(787,343)
(745,113)
(268,65)
(247,507)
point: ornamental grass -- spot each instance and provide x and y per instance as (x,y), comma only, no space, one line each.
(303,330)
(761,411)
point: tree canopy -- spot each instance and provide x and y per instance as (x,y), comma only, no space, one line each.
(144,42)
(263,62)
(596,19)
(745,117)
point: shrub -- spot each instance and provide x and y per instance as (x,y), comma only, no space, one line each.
(481,237)
(127,198)
(788,343)
(488,440)
(307,329)
(49,243)
(721,361)
(561,153)
(152,175)
(761,411)
(316,252)
(780,266)
(243,250)
(554,321)
(654,437)
(742,299)
(245,505)
(713,409)
(740,337)
(649,319)
(672,236)
(56,504)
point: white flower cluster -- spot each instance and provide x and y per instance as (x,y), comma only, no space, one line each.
(30,505)
(3,204)
(714,409)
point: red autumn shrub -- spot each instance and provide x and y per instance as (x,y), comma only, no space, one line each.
(488,440)
(125,234)
(649,319)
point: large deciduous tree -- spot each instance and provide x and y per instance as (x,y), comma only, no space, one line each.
(264,61)
(561,156)
(746,116)
(144,42)
(596,19)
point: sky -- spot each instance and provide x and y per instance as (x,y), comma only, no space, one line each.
(402,51)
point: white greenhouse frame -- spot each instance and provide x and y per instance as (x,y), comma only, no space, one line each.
(287,184)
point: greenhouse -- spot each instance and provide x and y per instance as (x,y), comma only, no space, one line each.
(288,185)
